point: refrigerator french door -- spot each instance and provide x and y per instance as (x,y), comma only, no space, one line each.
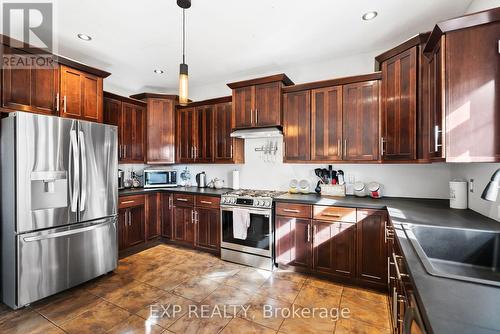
(59,204)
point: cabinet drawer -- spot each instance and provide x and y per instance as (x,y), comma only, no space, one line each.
(129,201)
(334,213)
(208,201)
(294,210)
(183,200)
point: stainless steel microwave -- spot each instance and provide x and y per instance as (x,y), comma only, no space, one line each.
(159,177)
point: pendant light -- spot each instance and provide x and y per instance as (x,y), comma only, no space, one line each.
(183,70)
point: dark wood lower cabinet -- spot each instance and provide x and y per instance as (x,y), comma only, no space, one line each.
(131,226)
(334,248)
(208,229)
(153,210)
(293,242)
(184,225)
(166,201)
(371,247)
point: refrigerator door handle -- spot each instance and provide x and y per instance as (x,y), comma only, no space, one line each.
(64,233)
(76,172)
(83,198)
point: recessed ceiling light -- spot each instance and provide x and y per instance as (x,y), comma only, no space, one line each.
(370,15)
(84,37)
(159,71)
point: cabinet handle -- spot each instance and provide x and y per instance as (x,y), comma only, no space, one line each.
(192,152)
(57,102)
(309,233)
(256,115)
(124,155)
(205,202)
(196,217)
(64,103)
(127,202)
(339,147)
(345,147)
(129,218)
(436,138)
(126,217)
(291,210)
(231,150)
(119,151)
(382,141)
(170,203)
(182,199)
(399,275)
(192,216)
(331,215)
(195,152)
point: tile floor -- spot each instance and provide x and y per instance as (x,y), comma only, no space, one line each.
(185,287)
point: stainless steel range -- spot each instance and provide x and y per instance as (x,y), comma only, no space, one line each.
(256,246)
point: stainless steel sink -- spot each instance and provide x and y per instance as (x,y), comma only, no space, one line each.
(463,254)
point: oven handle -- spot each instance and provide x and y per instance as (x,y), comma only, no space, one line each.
(267,212)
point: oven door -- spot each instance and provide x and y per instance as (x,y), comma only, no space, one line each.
(259,236)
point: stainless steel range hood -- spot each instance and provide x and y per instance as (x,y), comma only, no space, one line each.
(257,133)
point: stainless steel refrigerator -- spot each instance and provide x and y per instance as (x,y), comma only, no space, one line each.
(59,204)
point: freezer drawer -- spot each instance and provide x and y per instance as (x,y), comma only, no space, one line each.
(54,260)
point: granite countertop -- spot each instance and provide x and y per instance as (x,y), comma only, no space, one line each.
(185,190)
(447,305)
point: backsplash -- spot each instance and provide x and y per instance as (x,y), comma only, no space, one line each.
(259,172)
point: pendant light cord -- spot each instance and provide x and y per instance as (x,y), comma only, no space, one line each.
(183,36)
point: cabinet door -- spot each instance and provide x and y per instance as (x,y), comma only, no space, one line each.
(473,94)
(185,134)
(243,104)
(293,241)
(184,224)
(371,247)
(35,90)
(204,141)
(122,228)
(297,126)
(334,248)
(81,95)
(166,215)
(160,131)
(226,149)
(326,124)
(208,229)
(136,225)
(360,121)
(267,105)
(153,210)
(399,105)
(112,114)
(133,133)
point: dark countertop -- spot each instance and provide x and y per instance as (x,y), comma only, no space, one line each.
(447,305)
(184,190)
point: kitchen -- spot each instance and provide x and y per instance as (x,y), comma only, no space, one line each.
(349,187)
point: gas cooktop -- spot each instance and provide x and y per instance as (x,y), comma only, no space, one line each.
(250,197)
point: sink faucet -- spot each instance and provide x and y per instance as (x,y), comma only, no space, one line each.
(490,193)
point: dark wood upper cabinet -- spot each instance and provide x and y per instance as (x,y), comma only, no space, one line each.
(204,134)
(227,149)
(326,124)
(334,248)
(185,124)
(371,247)
(297,126)
(160,124)
(399,106)
(361,121)
(130,116)
(34,90)
(294,241)
(267,107)
(257,102)
(473,93)
(81,95)
(208,229)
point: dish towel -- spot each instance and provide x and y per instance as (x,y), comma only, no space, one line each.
(241,222)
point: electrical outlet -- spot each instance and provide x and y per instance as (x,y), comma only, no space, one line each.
(471,185)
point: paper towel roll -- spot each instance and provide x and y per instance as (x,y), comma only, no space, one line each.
(236,179)
(458,194)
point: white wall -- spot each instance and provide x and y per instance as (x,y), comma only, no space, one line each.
(421,181)
(481,173)
(479,5)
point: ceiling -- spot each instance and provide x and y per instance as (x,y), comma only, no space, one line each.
(230,40)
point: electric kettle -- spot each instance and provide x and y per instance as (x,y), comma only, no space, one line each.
(201,179)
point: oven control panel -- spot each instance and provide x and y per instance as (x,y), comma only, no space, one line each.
(247,202)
